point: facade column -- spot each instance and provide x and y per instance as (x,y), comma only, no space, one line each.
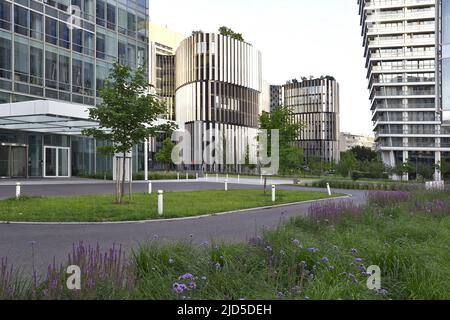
(146,159)
(405,160)
(437,161)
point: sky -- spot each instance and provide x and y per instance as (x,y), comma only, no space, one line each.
(297,38)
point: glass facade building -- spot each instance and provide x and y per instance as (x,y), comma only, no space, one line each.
(61,51)
(407,49)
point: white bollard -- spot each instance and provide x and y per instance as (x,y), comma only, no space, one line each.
(160,202)
(178,176)
(206,177)
(196,176)
(217,177)
(17,190)
(187,176)
(150,190)
(226,185)
(274,193)
(329,189)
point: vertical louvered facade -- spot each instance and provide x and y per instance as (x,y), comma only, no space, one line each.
(218,87)
(315,105)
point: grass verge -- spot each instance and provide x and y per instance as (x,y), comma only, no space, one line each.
(143,206)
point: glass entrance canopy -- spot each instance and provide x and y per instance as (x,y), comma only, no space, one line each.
(45,116)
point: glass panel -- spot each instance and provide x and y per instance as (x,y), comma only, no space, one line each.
(51,35)
(64,35)
(5,58)
(21,58)
(4,161)
(63,162)
(64,71)
(50,162)
(77,38)
(88,78)
(100,13)
(51,69)
(446,84)
(19,162)
(89,10)
(21,20)
(36,30)
(100,45)
(445,22)
(111,16)
(88,47)
(5,15)
(77,75)
(36,64)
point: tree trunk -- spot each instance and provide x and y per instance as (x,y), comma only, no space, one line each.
(122,186)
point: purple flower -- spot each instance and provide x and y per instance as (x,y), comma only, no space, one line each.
(179,288)
(325,260)
(218,266)
(359,259)
(192,285)
(187,276)
(354,251)
(204,278)
(171,261)
(313,250)
(296,243)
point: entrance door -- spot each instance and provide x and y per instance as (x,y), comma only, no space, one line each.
(56,162)
(13,161)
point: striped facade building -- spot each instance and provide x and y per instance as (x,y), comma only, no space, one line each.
(315,104)
(218,88)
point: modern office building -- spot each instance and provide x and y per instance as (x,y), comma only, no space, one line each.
(53,61)
(315,104)
(218,87)
(402,42)
(276,97)
(163,44)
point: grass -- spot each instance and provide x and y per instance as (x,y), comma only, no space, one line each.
(143,206)
(304,259)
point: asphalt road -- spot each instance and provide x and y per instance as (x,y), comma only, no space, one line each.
(56,241)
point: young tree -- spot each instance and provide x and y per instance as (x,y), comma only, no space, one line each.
(347,164)
(291,156)
(165,153)
(127,115)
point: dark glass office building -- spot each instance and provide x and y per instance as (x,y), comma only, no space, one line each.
(54,58)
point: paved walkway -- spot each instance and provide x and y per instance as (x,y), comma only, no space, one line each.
(57,240)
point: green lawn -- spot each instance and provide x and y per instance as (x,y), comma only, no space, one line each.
(143,206)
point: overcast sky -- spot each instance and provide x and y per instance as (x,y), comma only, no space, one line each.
(296,37)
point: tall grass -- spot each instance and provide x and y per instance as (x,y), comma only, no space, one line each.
(325,257)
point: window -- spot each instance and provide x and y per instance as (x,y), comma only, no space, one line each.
(111,46)
(51,69)
(100,13)
(88,78)
(36,29)
(111,17)
(77,39)
(77,75)
(102,73)
(5,15)
(51,35)
(100,45)
(36,64)
(122,21)
(131,56)
(5,58)
(64,35)
(21,57)
(131,25)
(21,24)
(64,71)
(88,47)
(89,10)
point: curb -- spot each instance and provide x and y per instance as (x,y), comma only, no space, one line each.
(346,196)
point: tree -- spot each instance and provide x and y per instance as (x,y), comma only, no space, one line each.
(347,164)
(364,154)
(291,156)
(225,31)
(164,155)
(127,115)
